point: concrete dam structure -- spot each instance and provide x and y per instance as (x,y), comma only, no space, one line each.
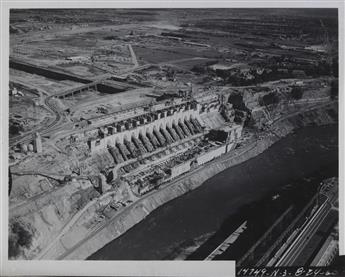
(158,128)
(149,131)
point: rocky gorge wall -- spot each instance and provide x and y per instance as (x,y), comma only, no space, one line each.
(317,116)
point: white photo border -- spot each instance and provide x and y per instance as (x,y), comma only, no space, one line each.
(139,268)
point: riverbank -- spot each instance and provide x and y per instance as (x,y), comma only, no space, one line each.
(138,211)
(262,214)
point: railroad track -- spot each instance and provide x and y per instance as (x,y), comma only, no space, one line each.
(306,233)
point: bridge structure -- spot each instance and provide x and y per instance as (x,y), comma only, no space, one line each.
(52,73)
(78,90)
(107,83)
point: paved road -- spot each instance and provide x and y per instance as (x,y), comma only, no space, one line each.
(69,224)
(45,129)
(32,199)
(49,127)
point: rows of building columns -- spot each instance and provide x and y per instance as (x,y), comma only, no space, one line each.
(153,139)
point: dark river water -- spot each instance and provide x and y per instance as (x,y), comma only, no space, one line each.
(202,211)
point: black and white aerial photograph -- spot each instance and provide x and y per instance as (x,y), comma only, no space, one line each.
(196,134)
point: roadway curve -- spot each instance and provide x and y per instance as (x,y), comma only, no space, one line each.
(45,129)
(66,227)
(70,223)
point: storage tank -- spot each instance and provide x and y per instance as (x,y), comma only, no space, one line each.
(24,148)
(30,147)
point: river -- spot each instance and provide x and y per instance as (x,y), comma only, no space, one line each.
(199,213)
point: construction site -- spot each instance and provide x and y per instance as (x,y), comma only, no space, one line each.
(105,114)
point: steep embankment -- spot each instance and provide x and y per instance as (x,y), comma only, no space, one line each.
(322,115)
